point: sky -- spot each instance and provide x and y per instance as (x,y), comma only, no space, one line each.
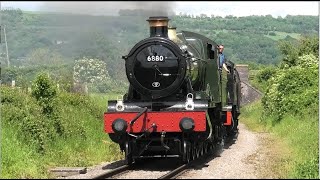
(217,8)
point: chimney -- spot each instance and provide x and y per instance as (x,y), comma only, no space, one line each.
(158,26)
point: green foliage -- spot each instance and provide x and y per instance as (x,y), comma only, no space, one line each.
(18,159)
(307,169)
(299,139)
(308,61)
(290,90)
(78,101)
(294,85)
(290,104)
(72,136)
(44,90)
(43,56)
(260,78)
(94,73)
(277,35)
(272,34)
(51,37)
(291,51)
(15,16)
(266,74)
(24,75)
(8,75)
(252,64)
(309,45)
(22,111)
(90,71)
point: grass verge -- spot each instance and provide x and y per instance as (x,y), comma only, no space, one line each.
(296,138)
(81,143)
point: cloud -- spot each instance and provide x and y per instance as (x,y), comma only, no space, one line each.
(95,7)
(243,8)
(217,8)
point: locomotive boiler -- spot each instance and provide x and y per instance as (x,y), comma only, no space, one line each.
(179,102)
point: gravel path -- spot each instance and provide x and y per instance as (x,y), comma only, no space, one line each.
(249,157)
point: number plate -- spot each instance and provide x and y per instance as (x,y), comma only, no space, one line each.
(155,58)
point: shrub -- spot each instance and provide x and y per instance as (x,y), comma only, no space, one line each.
(21,111)
(293,89)
(265,74)
(44,91)
(272,34)
(90,71)
(93,72)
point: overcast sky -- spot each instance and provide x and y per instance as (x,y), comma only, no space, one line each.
(235,8)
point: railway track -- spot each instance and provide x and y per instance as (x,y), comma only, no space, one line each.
(118,170)
(172,174)
(127,168)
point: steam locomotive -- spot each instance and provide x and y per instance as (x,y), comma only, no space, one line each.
(179,102)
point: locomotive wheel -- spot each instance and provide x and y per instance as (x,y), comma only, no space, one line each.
(202,150)
(210,148)
(236,125)
(205,148)
(197,151)
(128,153)
(193,152)
(219,147)
(186,152)
(189,153)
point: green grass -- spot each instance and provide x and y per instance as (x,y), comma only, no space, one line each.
(254,81)
(17,158)
(20,160)
(298,134)
(83,143)
(250,116)
(221,31)
(281,35)
(101,99)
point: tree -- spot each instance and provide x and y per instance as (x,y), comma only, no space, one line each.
(44,56)
(290,50)
(90,71)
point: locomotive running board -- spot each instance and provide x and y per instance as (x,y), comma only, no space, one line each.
(164,105)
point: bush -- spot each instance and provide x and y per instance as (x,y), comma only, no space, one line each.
(272,34)
(291,51)
(21,111)
(8,75)
(293,89)
(90,71)
(265,74)
(109,86)
(44,90)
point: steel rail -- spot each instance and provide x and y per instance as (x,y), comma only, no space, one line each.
(113,172)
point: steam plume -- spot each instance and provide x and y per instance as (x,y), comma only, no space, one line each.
(159,8)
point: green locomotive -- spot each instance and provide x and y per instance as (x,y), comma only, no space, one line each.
(179,102)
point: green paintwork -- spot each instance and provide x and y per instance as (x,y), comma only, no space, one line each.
(214,86)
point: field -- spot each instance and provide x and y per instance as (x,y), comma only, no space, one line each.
(282,35)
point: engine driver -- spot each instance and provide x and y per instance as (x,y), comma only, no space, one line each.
(222,58)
